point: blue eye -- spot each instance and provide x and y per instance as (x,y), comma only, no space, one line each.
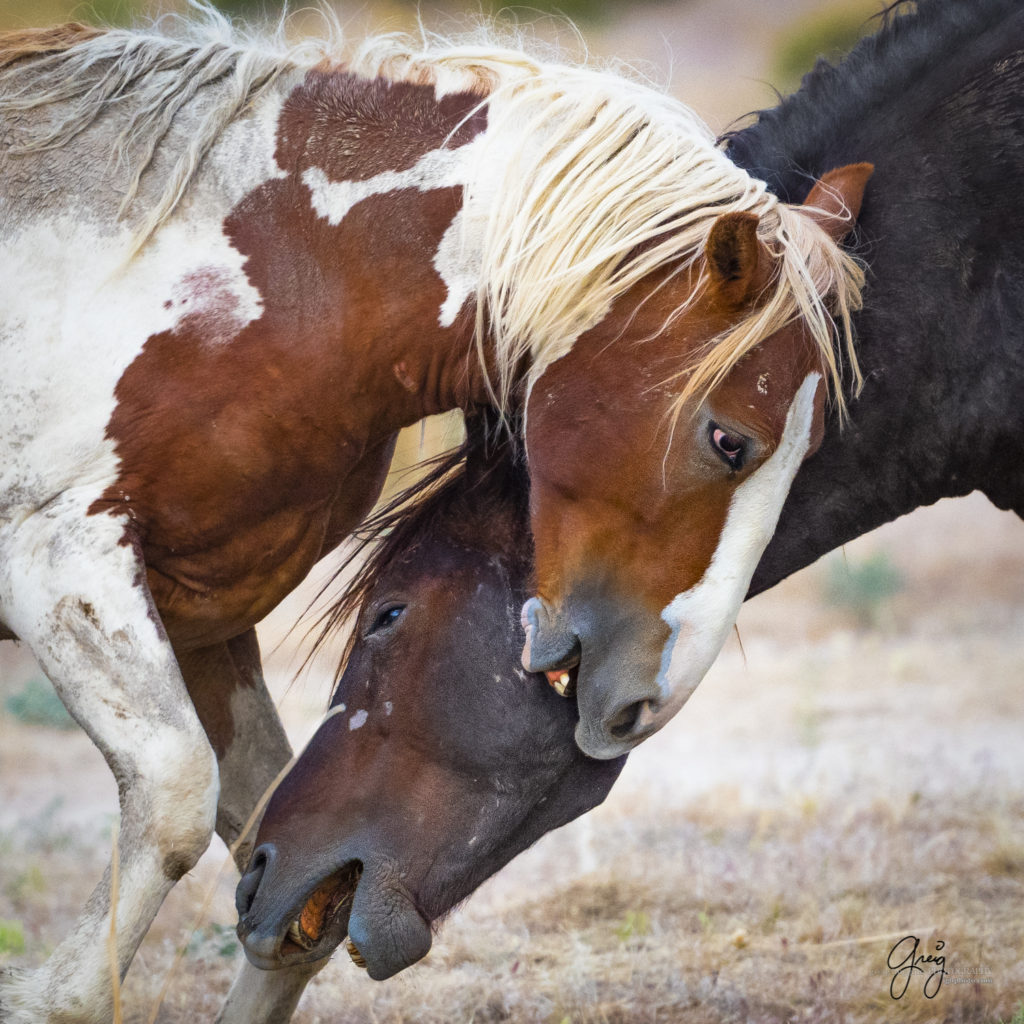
(730,448)
(386,617)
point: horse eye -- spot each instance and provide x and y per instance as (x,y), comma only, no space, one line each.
(730,448)
(386,617)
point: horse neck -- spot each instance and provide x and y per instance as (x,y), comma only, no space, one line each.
(941,353)
(864,108)
(365,220)
(329,207)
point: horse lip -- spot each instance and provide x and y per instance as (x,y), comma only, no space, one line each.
(262,949)
(389,930)
(274,949)
(550,644)
(568,663)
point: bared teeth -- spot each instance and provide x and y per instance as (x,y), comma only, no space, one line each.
(561,683)
(296,935)
(322,905)
(353,952)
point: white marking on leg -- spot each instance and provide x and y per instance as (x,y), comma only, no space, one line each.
(358,719)
(700,618)
(70,588)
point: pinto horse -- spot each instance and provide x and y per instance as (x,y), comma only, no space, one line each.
(440,759)
(234,269)
(933,100)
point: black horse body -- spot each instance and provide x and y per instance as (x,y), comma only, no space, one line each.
(936,102)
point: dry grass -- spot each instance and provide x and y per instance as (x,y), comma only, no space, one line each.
(830,792)
(725,916)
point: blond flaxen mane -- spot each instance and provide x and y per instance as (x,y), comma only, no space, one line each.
(604,179)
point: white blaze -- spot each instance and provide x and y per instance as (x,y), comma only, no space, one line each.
(700,618)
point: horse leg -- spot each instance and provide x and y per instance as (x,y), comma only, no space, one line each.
(230,696)
(75,592)
(266,997)
(227,687)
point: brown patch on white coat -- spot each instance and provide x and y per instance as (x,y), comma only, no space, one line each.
(235,495)
(249,441)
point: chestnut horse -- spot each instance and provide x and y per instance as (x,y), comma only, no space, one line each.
(234,269)
(939,415)
(441,758)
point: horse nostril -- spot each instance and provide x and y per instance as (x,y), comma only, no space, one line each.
(620,725)
(249,883)
(627,720)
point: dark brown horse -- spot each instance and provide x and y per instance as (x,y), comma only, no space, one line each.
(934,101)
(441,759)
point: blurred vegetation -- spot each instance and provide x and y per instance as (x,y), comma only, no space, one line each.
(636,924)
(12,937)
(807,716)
(109,12)
(829,34)
(582,11)
(122,12)
(26,885)
(213,941)
(863,588)
(37,703)
(578,10)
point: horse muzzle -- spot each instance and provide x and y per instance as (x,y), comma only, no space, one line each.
(551,646)
(283,922)
(609,654)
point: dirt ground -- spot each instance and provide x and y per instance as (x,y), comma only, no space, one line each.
(852,775)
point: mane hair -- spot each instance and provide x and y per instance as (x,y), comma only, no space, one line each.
(623,181)
(605,180)
(24,44)
(159,72)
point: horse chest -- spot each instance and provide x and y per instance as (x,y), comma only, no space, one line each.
(220,591)
(226,557)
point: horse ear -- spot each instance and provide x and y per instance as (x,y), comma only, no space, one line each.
(738,263)
(835,200)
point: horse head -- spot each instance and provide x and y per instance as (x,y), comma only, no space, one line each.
(441,758)
(654,492)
